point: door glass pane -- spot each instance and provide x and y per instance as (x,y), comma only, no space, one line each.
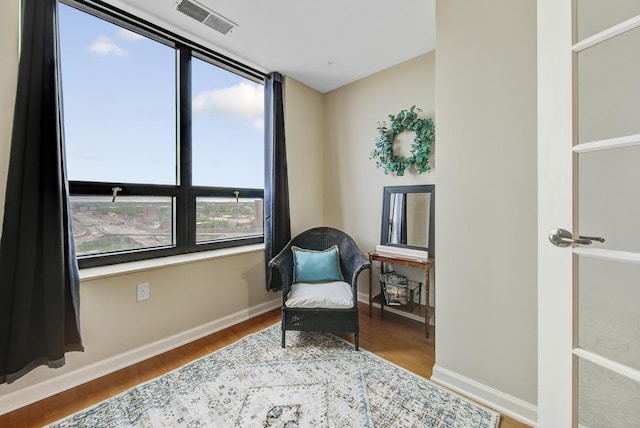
(609,309)
(119,102)
(225,218)
(130,223)
(609,197)
(595,16)
(605,398)
(609,88)
(228,128)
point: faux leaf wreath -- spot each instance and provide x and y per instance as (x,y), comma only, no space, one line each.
(406,120)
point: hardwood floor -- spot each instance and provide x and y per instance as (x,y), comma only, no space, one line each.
(397,339)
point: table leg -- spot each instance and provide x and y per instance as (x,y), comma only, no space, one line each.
(428,309)
(382,299)
(370,284)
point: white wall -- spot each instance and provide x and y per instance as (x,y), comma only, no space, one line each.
(486,277)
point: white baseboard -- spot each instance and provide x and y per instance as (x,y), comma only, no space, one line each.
(506,404)
(363,297)
(31,394)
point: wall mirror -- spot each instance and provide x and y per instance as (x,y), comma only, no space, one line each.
(408,217)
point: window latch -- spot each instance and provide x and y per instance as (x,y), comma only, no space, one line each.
(115,191)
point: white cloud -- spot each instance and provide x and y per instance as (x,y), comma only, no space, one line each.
(105,46)
(258,124)
(244,100)
(125,34)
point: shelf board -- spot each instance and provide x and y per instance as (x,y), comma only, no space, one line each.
(417,312)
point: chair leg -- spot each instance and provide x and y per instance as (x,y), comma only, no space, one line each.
(283,333)
(357,340)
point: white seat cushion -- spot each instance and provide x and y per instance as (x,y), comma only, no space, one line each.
(328,295)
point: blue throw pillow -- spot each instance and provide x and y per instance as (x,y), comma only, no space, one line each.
(316,266)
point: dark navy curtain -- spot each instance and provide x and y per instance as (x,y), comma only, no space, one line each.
(39,285)
(277,227)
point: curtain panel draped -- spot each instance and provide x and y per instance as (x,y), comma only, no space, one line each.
(39,286)
(277,226)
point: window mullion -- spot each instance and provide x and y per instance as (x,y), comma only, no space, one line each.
(185,221)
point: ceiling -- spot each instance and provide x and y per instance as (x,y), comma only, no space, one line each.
(324,44)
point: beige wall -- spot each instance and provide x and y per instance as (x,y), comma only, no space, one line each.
(8,74)
(486,278)
(183,297)
(353,185)
(305,135)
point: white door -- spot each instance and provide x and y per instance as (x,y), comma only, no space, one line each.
(589,184)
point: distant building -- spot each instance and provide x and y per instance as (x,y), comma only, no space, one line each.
(150,213)
(258,213)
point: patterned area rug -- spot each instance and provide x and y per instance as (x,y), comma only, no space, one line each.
(319,380)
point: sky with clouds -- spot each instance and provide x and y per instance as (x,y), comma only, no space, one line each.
(119,110)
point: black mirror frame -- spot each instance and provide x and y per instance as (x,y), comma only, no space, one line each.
(386,198)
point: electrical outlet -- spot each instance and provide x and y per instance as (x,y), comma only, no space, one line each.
(143,291)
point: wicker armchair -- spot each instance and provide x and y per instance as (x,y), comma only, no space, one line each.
(321,319)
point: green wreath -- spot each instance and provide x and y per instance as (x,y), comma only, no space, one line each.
(406,120)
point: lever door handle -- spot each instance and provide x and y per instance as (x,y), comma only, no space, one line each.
(563,238)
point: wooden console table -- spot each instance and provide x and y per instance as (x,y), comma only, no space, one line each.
(402,260)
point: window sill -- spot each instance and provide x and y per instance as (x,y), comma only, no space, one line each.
(163,262)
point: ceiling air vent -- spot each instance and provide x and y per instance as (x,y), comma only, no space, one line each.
(206,16)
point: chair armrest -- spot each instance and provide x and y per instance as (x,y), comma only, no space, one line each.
(359,264)
(356,264)
(283,263)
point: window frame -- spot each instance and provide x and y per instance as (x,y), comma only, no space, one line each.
(184,194)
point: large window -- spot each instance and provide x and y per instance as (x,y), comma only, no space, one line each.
(164,142)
